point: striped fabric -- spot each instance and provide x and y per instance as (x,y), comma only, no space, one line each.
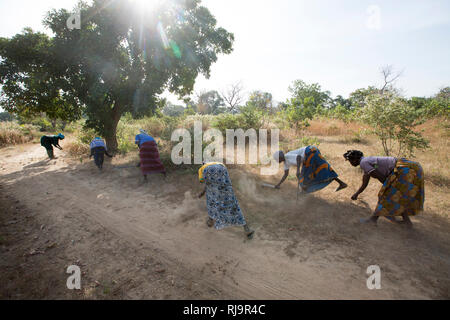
(150,161)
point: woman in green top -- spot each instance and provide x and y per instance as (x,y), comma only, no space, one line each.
(49,141)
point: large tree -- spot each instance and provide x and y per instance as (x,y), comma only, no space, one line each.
(29,78)
(121,59)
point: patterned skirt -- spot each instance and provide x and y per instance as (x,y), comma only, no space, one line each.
(403,190)
(150,161)
(221,202)
(316,172)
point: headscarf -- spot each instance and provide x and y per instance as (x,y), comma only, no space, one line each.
(61,136)
(143,131)
(353,154)
(277,155)
(203,167)
(97,138)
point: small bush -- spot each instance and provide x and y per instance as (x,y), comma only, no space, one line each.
(77,149)
(249,118)
(393,121)
(226,121)
(309,141)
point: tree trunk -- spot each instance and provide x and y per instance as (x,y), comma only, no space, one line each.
(111,130)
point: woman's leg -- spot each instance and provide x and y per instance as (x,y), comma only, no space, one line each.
(101,159)
(50,153)
(373,219)
(406,220)
(248,231)
(342,184)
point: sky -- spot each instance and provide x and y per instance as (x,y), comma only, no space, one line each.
(340,44)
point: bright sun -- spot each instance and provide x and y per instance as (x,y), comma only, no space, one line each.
(146,4)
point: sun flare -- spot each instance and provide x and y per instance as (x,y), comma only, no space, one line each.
(146,5)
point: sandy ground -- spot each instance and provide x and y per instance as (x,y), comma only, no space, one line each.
(134,240)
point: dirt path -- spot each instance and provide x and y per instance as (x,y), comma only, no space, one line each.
(151,240)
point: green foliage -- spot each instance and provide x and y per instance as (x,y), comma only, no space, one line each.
(298,113)
(248,118)
(393,121)
(29,78)
(113,64)
(439,105)
(41,122)
(302,92)
(226,121)
(358,97)
(85,136)
(261,100)
(309,141)
(342,113)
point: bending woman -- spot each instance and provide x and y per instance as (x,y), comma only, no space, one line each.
(98,150)
(49,141)
(149,155)
(315,174)
(222,204)
(403,191)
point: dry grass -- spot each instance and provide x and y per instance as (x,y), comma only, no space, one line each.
(76,148)
(12,133)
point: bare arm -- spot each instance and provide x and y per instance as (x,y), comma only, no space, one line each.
(286,173)
(299,164)
(202,193)
(365,182)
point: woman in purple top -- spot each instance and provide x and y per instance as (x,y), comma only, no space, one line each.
(402,193)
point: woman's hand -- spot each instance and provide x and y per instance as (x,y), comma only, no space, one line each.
(202,194)
(355,196)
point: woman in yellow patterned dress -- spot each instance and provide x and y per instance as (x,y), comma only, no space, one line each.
(403,191)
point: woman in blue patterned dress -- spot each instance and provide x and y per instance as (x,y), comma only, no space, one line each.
(222,204)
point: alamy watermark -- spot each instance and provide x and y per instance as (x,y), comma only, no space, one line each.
(374,280)
(74,280)
(182,152)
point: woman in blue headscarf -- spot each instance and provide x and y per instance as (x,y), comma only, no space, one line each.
(49,141)
(98,150)
(149,155)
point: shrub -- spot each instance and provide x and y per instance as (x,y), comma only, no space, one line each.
(248,118)
(226,121)
(77,149)
(309,141)
(393,121)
